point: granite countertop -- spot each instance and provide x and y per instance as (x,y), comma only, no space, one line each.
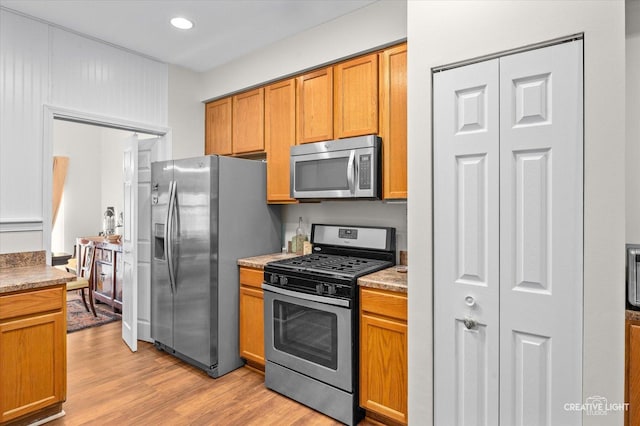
(386,279)
(258,262)
(27,271)
(632,315)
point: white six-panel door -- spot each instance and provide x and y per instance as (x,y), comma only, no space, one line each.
(466,232)
(541,235)
(508,201)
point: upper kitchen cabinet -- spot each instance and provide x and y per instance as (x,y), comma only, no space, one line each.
(356,96)
(248,122)
(314,106)
(218,127)
(393,121)
(280,135)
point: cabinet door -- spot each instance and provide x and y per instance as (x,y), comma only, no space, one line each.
(356,97)
(314,106)
(280,136)
(252,324)
(104,279)
(383,366)
(32,364)
(218,127)
(632,368)
(119,265)
(393,121)
(248,122)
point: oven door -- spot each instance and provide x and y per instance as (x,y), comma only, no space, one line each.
(309,334)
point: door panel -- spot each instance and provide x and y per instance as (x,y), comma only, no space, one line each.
(541,243)
(129,244)
(536,301)
(147,153)
(466,244)
(192,247)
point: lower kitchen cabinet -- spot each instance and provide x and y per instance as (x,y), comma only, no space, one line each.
(632,371)
(252,317)
(33,363)
(383,354)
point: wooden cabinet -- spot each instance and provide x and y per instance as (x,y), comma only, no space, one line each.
(632,371)
(280,136)
(252,317)
(360,96)
(356,96)
(248,122)
(393,121)
(218,127)
(108,274)
(33,363)
(314,106)
(383,353)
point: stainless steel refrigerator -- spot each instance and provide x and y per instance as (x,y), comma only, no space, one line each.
(206,213)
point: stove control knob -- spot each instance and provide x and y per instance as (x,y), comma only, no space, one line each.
(273,279)
(283,280)
(319,288)
(331,289)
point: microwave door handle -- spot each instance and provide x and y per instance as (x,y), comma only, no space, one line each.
(351,172)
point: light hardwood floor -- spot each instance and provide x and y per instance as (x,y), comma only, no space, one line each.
(108,384)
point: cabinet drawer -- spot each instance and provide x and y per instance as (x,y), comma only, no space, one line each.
(107,255)
(382,302)
(251,277)
(98,254)
(31,302)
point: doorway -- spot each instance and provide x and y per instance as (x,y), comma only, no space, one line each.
(159,149)
(93,180)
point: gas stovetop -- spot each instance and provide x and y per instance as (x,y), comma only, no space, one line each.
(330,265)
(341,254)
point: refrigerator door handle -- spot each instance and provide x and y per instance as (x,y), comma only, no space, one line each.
(169,235)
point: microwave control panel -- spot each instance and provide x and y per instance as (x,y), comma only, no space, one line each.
(364,179)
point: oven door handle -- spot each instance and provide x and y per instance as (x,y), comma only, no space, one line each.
(305,296)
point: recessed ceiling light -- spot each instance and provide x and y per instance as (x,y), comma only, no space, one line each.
(182,23)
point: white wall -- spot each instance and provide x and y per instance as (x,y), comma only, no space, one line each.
(443,32)
(45,65)
(633,120)
(112,176)
(375,25)
(82,192)
(94,179)
(366,213)
(186,112)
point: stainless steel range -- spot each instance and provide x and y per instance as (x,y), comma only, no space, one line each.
(311,317)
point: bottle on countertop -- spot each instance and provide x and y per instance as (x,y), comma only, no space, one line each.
(297,244)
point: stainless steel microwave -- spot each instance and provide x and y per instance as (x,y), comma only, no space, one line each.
(343,168)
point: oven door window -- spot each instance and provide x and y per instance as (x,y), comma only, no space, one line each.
(307,333)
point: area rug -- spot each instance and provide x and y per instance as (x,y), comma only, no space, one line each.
(78,318)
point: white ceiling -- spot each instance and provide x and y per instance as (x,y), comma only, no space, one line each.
(224,29)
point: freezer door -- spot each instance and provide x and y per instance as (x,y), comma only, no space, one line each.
(195,238)
(161,289)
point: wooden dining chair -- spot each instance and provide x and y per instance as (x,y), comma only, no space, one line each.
(83,265)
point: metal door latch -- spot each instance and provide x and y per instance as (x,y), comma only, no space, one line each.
(470,323)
